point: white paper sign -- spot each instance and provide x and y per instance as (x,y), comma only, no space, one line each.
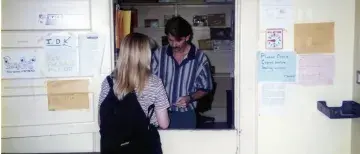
(61,55)
(62,62)
(276,17)
(276,2)
(57,20)
(90,53)
(60,41)
(21,64)
(272,98)
(50,19)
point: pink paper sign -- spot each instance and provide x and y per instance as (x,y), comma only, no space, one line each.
(316,69)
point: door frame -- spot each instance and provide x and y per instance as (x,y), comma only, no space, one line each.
(245,121)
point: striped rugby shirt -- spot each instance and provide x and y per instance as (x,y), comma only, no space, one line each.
(183,79)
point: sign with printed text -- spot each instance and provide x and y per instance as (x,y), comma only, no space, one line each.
(277,66)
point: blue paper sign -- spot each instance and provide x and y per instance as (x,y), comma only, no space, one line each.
(277,66)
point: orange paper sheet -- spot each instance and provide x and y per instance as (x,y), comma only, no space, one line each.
(68,94)
(313,38)
(67,86)
(60,102)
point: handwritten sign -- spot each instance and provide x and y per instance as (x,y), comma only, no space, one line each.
(60,40)
(68,101)
(61,55)
(316,69)
(62,62)
(277,66)
(20,64)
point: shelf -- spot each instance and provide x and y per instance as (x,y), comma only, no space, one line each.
(222,75)
(162,28)
(178,3)
(349,109)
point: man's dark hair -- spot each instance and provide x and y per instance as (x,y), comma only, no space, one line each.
(178,27)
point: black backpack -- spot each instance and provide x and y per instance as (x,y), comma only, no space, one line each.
(124,127)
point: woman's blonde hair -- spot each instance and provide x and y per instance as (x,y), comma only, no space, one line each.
(133,66)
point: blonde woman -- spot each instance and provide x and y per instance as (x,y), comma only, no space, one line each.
(127,100)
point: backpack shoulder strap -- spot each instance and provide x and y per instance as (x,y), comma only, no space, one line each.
(151,110)
(110,81)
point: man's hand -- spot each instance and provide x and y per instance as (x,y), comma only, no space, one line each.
(183,101)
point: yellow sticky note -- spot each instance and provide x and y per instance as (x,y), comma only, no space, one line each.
(314,38)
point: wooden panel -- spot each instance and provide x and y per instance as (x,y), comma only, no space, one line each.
(49,130)
(202,142)
(18,39)
(33,110)
(31,87)
(49,144)
(31,39)
(44,14)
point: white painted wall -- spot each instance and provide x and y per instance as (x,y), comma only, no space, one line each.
(303,129)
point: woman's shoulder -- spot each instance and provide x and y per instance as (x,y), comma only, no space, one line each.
(152,86)
(154,81)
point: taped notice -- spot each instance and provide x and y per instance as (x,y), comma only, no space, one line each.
(68,94)
(272,98)
(276,66)
(58,102)
(67,86)
(316,69)
(314,38)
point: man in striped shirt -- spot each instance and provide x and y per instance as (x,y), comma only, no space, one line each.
(184,71)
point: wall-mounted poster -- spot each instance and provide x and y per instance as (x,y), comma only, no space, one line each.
(21,63)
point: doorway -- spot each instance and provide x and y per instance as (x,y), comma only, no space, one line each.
(213,27)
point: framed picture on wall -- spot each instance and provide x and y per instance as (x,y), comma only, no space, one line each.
(151,23)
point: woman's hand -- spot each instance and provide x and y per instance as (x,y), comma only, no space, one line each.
(183,101)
